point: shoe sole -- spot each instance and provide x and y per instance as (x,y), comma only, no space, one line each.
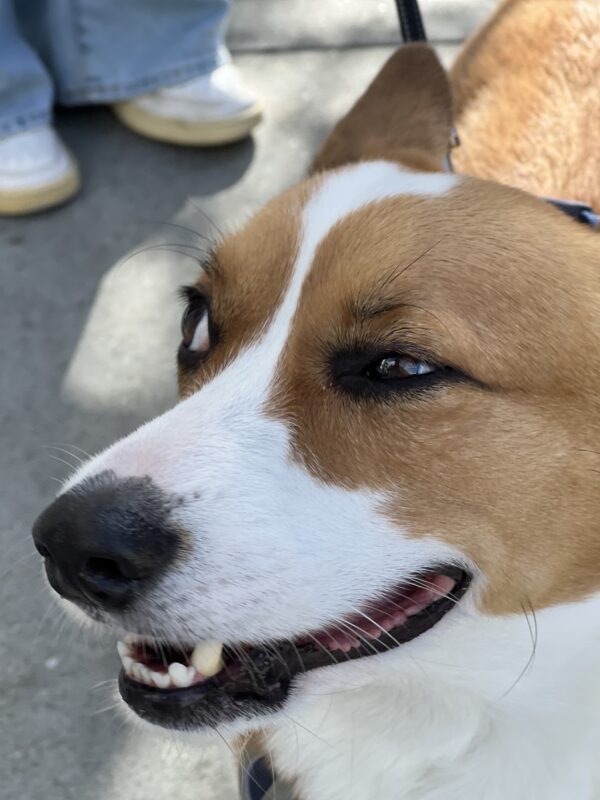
(27,201)
(198,134)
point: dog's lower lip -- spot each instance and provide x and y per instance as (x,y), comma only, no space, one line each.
(263,678)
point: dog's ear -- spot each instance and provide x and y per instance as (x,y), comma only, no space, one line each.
(405,115)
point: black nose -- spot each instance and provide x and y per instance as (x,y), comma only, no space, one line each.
(107,540)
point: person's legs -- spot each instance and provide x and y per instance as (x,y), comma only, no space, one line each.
(36,171)
(162,62)
(103,51)
(25,86)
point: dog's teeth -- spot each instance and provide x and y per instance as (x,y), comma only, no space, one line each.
(207,658)
(161,679)
(125,656)
(206,661)
(136,670)
(146,675)
(123,649)
(181,676)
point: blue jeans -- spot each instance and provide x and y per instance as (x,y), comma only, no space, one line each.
(76,52)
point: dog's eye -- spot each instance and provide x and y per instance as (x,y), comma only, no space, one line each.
(386,375)
(397,367)
(195,328)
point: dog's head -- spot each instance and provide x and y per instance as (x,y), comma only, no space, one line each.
(384,436)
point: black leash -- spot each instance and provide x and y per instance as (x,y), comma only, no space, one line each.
(413,30)
(411,21)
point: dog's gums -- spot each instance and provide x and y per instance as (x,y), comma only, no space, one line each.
(163,684)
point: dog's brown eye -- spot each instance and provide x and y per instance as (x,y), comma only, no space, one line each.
(397,367)
(390,375)
(195,329)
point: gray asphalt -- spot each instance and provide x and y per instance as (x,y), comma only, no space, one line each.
(88,328)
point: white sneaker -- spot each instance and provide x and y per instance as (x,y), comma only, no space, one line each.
(210,109)
(36,171)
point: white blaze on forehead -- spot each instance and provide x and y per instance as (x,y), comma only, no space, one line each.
(273,547)
(337,196)
(234,399)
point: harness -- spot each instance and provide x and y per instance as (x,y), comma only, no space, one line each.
(257,779)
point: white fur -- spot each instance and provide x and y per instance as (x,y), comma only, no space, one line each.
(347,191)
(258,518)
(466,712)
(456,714)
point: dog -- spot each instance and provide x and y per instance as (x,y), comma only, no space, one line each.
(370,529)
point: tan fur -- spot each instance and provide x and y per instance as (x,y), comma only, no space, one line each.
(412,86)
(527,92)
(488,280)
(245,281)
(500,469)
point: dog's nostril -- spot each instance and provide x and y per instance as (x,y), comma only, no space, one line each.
(108,581)
(104,569)
(43,551)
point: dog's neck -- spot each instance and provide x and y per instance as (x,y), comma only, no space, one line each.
(431,733)
(417,744)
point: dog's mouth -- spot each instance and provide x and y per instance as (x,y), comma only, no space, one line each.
(186,687)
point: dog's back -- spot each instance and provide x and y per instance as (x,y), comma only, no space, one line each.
(527,99)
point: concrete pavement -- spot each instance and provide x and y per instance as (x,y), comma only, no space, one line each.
(89,325)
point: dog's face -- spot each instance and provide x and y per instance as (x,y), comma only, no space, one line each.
(387,379)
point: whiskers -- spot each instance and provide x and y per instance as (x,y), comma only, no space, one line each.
(349,628)
(75,459)
(532,627)
(27,558)
(201,251)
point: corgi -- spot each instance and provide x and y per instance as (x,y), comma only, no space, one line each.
(369,531)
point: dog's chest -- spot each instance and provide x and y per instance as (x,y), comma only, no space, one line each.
(368,745)
(433,745)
